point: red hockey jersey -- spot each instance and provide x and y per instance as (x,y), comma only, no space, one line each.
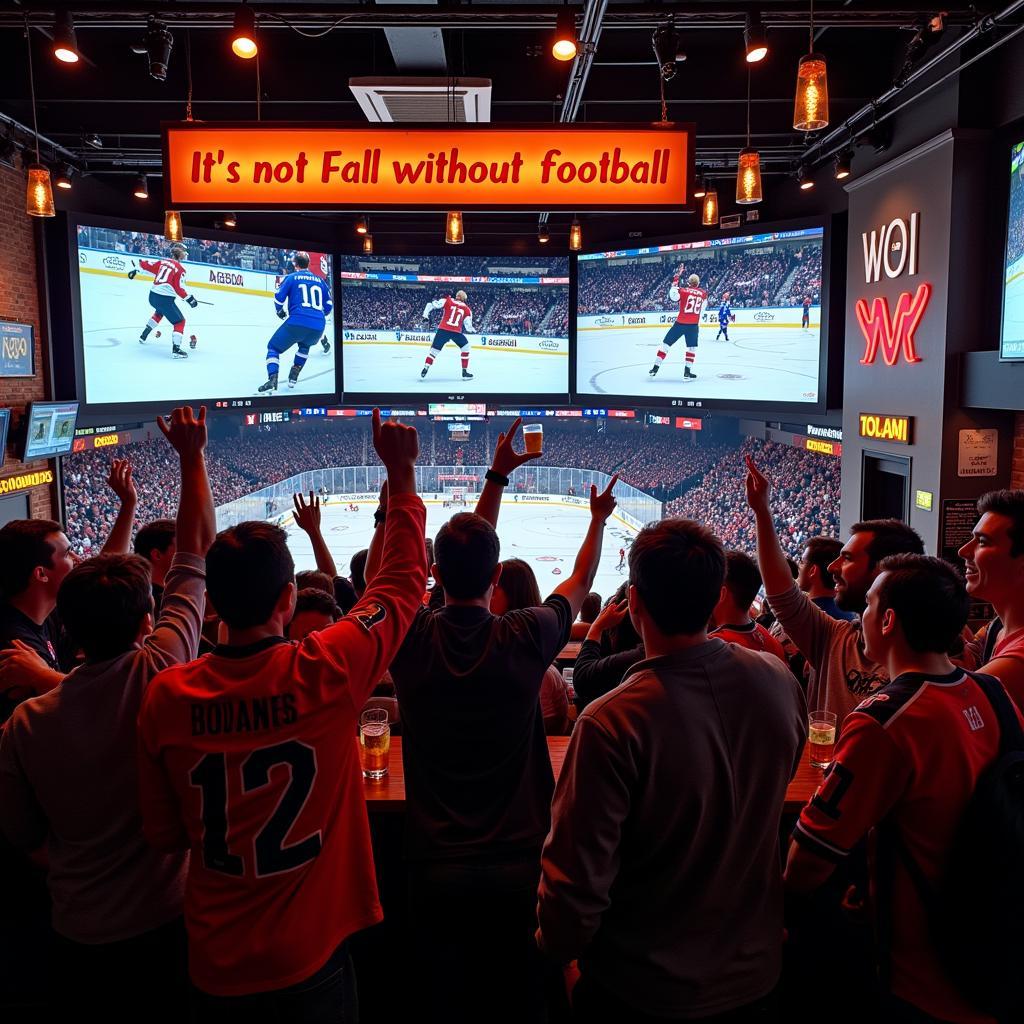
(249,757)
(168,276)
(691,302)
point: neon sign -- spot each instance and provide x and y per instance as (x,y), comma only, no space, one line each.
(892,333)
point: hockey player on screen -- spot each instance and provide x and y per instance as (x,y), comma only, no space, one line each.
(691,298)
(805,317)
(456,319)
(303,302)
(168,287)
(725,317)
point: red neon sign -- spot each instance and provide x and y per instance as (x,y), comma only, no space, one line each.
(895,333)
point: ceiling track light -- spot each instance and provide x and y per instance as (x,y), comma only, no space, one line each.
(843,164)
(156,46)
(700,188)
(141,189)
(362,226)
(230,220)
(65,43)
(668,49)
(804,179)
(243,33)
(543,235)
(63,177)
(755,39)
(563,45)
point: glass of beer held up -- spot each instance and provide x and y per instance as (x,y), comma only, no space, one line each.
(533,435)
(821,737)
(374,742)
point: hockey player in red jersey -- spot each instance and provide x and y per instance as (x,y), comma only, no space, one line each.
(691,298)
(168,287)
(456,319)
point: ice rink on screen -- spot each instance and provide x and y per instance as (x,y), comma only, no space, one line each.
(548,538)
(757,364)
(228,362)
(1013,311)
(374,367)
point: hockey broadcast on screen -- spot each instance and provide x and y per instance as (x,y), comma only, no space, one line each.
(445,324)
(1012,346)
(724,319)
(198,320)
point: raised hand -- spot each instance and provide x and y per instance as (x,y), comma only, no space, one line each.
(307,516)
(610,616)
(121,483)
(395,443)
(759,488)
(603,505)
(185,431)
(506,458)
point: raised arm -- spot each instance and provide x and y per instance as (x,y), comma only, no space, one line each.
(506,460)
(307,518)
(121,483)
(770,556)
(196,525)
(579,584)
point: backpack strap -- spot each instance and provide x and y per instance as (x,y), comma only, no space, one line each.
(1011,736)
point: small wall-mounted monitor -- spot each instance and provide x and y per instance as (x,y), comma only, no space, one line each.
(5,423)
(51,429)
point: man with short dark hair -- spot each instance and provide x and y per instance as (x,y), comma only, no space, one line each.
(477,771)
(68,766)
(249,757)
(731,617)
(155,542)
(994,558)
(661,874)
(842,673)
(909,759)
(315,609)
(314,579)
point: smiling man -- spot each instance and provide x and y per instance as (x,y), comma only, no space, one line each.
(994,565)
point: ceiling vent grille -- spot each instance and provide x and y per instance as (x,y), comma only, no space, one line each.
(456,100)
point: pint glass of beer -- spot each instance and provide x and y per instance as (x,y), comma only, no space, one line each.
(374,742)
(821,737)
(533,435)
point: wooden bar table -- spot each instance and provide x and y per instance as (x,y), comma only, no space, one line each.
(388,794)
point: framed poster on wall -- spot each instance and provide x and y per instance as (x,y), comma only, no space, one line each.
(17,350)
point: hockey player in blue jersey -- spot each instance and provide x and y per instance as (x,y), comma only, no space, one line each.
(725,317)
(303,301)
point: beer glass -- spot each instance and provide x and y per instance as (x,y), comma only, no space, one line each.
(374,742)
(821,737)
(533,435)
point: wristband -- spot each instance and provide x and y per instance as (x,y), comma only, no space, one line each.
(496,478)
(379,516)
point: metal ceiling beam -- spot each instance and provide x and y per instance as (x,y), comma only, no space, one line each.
(318,17)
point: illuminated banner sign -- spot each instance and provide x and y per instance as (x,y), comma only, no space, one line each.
(877,427)
(621,414)
(282,166)
(25,481)
(254,419)
(812,444)
(687,423)
(832,433)
(107,440)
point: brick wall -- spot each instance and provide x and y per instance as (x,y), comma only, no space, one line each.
(19,301)
(1017,475)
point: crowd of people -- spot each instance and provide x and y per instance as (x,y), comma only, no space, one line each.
(807,496)
(184,823)
(778,275)
(663,463)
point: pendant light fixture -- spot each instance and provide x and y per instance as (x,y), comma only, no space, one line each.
(39,193)
(700,188)
(172,227)
(575,235)
(709,208)
(243,33)
(453,232)
(367,244)
(748,169)
(810,109)
(141,189)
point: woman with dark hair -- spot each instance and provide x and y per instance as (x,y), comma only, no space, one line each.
(611,648)
(517,588)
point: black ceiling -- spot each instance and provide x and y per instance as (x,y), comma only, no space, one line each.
(309,51)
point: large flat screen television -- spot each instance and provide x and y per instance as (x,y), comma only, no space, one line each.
(51,429)
(157,326)
(448,328)
(730,321)
(1011,345)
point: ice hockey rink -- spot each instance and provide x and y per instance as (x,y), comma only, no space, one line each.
(1013,312)
(229,361)
(547,537)
(509,364)
(757,364)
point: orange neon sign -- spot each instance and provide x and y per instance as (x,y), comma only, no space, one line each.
(285,166)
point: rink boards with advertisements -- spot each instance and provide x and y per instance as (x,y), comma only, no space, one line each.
(544,530)
(381,361)
(233,323)
(769,357)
